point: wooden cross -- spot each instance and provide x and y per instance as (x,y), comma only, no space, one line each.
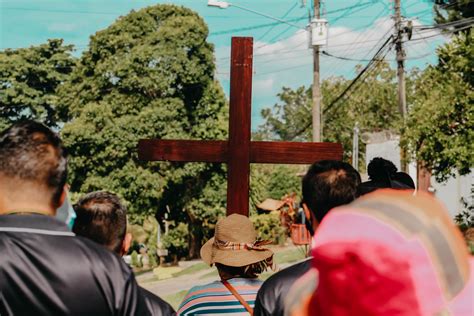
(238,151)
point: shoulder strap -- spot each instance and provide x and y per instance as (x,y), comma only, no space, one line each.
(238,296)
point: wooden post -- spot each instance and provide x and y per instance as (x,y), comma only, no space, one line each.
(239,125)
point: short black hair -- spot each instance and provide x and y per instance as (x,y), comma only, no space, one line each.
(327,184)
(101,217)
(30,151)
(380,169)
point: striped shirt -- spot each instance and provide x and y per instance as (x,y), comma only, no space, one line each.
(215,298)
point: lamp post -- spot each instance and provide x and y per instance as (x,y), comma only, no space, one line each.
(225,5)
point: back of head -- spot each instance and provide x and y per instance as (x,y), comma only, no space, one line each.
(380,169)
(327,184)
(31,154)
(102,218)
(383,174)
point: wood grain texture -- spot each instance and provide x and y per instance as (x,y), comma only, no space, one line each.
(238,169)
(238,152)
(293,152)
(182,150)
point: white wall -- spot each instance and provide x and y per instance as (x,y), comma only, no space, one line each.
(453,190)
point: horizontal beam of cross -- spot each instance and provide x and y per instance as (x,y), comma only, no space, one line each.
(217,151)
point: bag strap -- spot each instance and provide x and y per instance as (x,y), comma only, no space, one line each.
(238,296)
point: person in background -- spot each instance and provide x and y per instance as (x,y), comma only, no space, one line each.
(239,258)
(101,217)
(384,174)
(44,268)
(387,253)
(327,184)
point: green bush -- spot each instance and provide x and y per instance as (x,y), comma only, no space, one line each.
(134,259)
(152,259)
(268,227)
(176,240)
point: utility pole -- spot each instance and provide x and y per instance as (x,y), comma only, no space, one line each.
(402,102)
(316,111)
(355,147)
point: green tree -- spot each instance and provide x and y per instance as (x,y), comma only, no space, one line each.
(148,75)
(372,105)
(453,10)
(176,241)
(29,81)
(440,127)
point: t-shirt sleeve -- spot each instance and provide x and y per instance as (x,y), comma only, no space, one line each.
(187,301)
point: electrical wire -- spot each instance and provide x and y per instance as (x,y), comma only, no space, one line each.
(364,70)
(284,16)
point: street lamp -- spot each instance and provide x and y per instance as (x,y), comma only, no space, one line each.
(219,4)
(225,5)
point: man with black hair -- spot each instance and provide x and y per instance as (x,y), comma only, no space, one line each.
(102,217)
(384,174)
(327,184)
(44,268)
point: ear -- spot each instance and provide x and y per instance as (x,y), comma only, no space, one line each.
(127,241)
(310,219)
(63,196)
(306,211)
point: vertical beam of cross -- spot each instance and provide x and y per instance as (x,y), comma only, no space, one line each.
(239,125)
(238,152)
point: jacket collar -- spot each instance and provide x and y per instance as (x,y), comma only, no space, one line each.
(33,223)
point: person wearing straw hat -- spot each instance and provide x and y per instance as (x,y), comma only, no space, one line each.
(239,258)
(387,253)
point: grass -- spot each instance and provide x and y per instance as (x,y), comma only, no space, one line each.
(209,274)
(175,299)
(289,256)
(192,269)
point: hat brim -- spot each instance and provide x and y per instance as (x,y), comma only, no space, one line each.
(210,254)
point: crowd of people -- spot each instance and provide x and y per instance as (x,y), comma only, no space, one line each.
(379,247)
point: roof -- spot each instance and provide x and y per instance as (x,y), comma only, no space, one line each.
(271,205)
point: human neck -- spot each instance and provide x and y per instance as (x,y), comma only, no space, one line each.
(27,209)
(24,199)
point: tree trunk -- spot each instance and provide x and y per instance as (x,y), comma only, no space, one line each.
(195,236)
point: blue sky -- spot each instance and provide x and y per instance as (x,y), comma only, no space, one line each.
(281,54)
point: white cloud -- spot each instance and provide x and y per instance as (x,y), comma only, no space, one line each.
(263,84)
(63,27)
(289,62)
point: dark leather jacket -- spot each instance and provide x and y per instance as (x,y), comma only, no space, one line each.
(46,270)
(271,296)
(156,305)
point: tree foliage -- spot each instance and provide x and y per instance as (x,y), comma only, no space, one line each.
(148,75)
(453,10)
(440,127)
(372,106)
(29,81)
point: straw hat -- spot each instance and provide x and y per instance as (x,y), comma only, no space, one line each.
(234,243)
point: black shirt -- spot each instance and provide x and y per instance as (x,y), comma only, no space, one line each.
(46,270)
(271,296)
(156,305)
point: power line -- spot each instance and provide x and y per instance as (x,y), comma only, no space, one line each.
(283,32)
(445,25)
(342,57)
(441,34)
(354,81)
(120,13)
(284,16)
